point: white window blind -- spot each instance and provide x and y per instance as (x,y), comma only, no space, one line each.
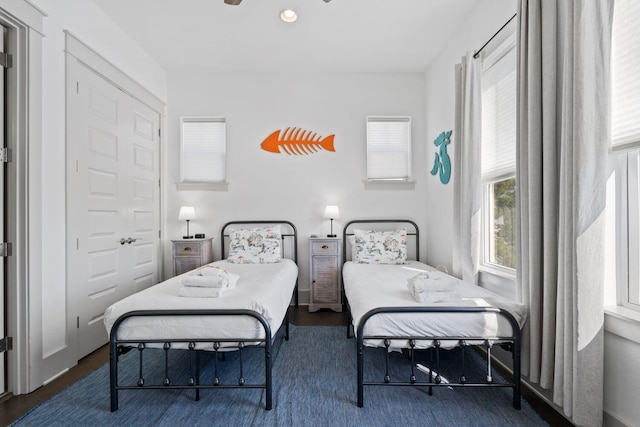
(388,148)
(499,112)
(203,150)
(625,67)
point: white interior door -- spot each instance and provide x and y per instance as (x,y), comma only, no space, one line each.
(2,225)
(113,200)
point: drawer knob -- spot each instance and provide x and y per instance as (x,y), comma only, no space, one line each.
(325,247)
(187,249)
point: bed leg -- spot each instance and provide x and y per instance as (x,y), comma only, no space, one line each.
(286,332)
(267,375)
(516,375)
(360,360)
(113,375)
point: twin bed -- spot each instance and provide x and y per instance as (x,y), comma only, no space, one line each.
(250,314)
(377,279)
(383,312)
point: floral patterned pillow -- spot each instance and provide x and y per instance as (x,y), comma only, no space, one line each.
(255,245)
(380,247)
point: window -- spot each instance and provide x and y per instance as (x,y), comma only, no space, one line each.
(389,148)
(625,67)
(625,134)
(204,149)
(499,156)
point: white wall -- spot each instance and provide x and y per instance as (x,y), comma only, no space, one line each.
(621,380)
(481,24)
(264,185)
(89,24)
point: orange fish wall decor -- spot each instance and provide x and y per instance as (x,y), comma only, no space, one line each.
(297,141)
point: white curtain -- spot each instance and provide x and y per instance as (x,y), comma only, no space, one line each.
(563,137)
(466,170)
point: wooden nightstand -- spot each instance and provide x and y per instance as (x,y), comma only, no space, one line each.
(325,269)
(191,253)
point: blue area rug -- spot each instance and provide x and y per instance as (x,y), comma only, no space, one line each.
(314,377)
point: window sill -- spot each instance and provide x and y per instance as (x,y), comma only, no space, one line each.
(202,186)
(389,185)
(498,281)
(623,322)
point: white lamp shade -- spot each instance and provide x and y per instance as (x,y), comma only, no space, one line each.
(332,211)
(187,213)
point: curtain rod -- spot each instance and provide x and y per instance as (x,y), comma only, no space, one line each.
(475,55)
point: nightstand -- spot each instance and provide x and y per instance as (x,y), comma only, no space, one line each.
(191,253)
(325,269)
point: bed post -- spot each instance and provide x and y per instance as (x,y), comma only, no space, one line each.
(360,357)
(113,372)
(267,375)
(516,368)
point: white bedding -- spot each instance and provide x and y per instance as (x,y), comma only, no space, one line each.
(265,288)
(369,286)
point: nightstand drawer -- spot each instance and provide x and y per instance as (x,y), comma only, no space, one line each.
(187,249)
(191,254)
(322,248)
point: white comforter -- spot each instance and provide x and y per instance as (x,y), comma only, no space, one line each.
(264,288)
(369,286)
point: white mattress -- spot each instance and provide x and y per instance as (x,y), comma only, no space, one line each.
(369,286)
(265,288)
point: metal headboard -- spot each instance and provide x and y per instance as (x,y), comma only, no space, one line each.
(292,234)
(346,232)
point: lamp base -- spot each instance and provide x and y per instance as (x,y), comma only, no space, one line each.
(331,235)
(187,237)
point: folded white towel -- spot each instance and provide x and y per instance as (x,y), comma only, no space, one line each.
(210,276)
(211,281)
(435,281)
(434,297)
(200,292)
(211,270)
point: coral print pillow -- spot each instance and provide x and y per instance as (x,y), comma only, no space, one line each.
(255,245)
(380,247)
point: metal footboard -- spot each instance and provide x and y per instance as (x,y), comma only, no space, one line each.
(118,347)
(510,342)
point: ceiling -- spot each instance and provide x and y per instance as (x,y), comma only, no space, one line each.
(339,36)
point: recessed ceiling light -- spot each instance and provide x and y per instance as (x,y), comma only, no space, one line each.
(288,15)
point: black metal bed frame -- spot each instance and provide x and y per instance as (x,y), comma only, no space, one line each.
(511,342)
(118,347)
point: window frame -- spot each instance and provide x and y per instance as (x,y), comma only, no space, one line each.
(626,209)
(187,185)
(390,180)
(492,273)
(487,227)
(626,159)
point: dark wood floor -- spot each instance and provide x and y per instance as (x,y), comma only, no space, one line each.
(13,407)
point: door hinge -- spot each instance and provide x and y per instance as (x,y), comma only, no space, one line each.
(6,60)
(6,344)
(5,155)
(78,322)
(5,249)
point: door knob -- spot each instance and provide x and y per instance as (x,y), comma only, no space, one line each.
(123,241)
(130,240)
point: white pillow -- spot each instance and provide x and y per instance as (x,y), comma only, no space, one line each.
(380,247)
(255,245)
